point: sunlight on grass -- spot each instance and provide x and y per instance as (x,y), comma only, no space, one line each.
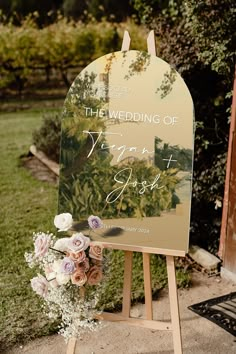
(27,205)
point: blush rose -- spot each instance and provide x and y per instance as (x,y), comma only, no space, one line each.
(79,278)
(94,275)
(41,244)
(77,257)
(84,266)
(95,251)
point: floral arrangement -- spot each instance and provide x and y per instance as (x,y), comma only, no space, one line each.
(70,265)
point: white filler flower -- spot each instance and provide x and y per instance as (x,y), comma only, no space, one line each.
(63,221)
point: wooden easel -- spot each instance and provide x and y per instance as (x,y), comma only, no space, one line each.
(148,322)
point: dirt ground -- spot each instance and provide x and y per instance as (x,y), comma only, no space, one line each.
(199,335)
(38,169)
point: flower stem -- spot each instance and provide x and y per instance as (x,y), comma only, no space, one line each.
(51,279)
(54,249)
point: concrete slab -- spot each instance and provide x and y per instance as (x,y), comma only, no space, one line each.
(200,336)
(207,260)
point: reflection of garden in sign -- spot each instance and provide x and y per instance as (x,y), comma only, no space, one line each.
(181,159)
(112,163)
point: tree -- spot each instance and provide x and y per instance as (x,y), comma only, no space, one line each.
(21,8)
(111,9)
(199,40)
(74,8)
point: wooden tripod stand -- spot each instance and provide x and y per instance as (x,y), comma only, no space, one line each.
(148,322)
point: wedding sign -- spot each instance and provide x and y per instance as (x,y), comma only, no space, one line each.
(127,152)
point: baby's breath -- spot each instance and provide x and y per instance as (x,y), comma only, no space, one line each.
(76,311)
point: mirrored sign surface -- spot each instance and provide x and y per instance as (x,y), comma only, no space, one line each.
(126,152)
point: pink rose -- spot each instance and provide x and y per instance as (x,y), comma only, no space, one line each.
(79,278)
(77,257)
(40,285)
(94,275)
(84,266)
(95,251)
(78,242)
(41,244)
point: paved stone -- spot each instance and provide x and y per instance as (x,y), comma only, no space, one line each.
(204,258)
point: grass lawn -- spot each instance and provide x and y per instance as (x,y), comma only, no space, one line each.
(27,205)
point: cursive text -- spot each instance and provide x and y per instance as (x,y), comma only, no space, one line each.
(124,179)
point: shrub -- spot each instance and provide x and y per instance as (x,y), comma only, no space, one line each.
(202,48)
(60,46)
(47,137)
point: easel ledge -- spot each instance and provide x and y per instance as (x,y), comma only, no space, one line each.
(151,250)
(148,322)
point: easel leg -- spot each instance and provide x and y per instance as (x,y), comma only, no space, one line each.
(71,346)
(127,283)
(174,306)
(147,286)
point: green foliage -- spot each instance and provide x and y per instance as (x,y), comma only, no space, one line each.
(27,50)
(74,8)
(17,52)
(20,8)
(150,9)
(198,38)
(212,24)
(110,9)
(112,296)
(47,137)
(78,10)
(84,194)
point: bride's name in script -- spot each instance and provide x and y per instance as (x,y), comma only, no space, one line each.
(124,179)
(96,137)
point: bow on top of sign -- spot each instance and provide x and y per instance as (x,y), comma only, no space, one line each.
(127,151)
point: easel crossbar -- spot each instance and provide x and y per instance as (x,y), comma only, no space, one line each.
(139,322)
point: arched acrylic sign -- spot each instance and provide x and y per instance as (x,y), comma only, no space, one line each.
(126,152)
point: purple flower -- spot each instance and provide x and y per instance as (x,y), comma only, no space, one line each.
(94,222)
(40,285)
(41,244)
(67,266)
(78,242)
